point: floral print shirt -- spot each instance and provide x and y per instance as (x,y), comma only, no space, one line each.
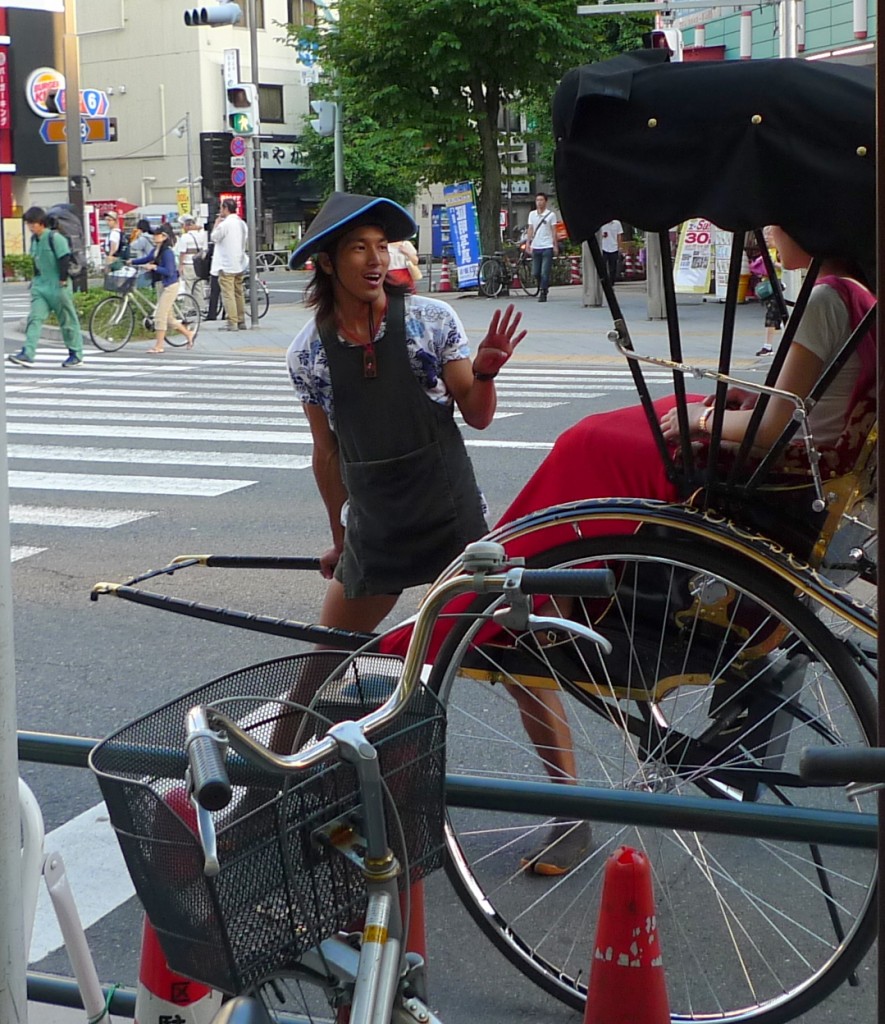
(434,336)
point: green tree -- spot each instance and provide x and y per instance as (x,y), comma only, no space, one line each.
(431,78)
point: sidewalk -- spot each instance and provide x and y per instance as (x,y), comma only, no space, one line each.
(558,330)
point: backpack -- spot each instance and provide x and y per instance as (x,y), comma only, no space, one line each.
(63,219)
(124,250)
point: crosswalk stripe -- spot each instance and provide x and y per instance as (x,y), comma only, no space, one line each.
(20,401)
(160,457)
(70,429)
(161,417)
(89,848)
(93,518)
(19,551)
(178,485)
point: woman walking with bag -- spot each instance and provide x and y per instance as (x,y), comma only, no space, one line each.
(162,263)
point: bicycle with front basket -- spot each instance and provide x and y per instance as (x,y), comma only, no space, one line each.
(254,864)
(113,320)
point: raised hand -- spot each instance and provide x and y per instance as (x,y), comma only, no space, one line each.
(501,339)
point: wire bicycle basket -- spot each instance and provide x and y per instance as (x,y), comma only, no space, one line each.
(121,281)
(280,891)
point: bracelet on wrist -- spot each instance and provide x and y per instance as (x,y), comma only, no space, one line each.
(704,417)
(484,376)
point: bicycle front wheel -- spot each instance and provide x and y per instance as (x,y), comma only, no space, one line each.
(200,293)
(262,296)
(186,310)
(527,280)
(719,678)
(111,324)
(491,278)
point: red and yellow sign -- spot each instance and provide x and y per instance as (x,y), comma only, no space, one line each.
(40,83)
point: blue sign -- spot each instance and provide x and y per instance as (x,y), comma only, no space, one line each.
(93,102)
(463,231)
(308,52)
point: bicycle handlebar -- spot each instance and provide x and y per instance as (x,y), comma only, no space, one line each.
(208,772)
(842,765)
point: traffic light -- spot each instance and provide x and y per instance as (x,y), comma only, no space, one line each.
(665,39)
(220,14)
(242,109)
(324,122)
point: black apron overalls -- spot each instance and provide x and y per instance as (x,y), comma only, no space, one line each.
(413,500)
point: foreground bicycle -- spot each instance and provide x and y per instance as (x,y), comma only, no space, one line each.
(743,623)
(499,272)
(256,886)
(113,320)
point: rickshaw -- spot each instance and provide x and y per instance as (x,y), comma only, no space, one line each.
(743,623)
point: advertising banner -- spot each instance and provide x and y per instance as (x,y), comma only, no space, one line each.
(464,231)
(693,268)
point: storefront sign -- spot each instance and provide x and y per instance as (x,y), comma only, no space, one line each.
(281,156)
(464,232)
(39,84)
(4,89)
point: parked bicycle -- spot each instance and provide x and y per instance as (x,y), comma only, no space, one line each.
(113,320)
(200,293)
(497,273)
(253,868)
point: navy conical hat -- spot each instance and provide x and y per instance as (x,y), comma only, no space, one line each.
(342,211)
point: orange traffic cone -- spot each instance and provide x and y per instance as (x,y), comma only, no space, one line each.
(445,283)
(164,995)
(627,981)
(576,277)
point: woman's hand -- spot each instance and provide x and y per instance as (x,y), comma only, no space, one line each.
(500,341)
(694,411)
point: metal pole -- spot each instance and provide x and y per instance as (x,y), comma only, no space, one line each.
(190,170)
(73,141)
(13,989)
(339,145)
(253,171)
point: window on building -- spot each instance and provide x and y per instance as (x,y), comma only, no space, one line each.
(259,13)
(270,104)
(302,12)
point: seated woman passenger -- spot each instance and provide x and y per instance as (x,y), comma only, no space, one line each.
(613,454)
(616,453)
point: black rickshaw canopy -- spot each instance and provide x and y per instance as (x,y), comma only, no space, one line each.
(742,143)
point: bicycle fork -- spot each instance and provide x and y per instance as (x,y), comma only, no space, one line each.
(384,970)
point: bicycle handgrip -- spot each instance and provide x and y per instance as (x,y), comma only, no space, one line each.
(568,582)
(212,788)
(842,764)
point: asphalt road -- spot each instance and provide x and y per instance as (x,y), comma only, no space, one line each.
(137,460)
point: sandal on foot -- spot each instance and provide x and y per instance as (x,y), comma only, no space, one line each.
(566,844)
(155,351)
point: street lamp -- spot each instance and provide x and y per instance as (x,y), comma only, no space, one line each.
(184,128)
(330,15)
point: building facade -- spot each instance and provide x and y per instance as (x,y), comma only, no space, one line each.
(164,86)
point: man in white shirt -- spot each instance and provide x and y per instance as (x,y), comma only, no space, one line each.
(186,248)
(611,235)
(112,242)
(229,261)
(542,242)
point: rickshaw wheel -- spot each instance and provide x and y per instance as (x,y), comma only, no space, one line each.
(719,678)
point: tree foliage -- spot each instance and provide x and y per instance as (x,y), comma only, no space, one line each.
(425,83)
